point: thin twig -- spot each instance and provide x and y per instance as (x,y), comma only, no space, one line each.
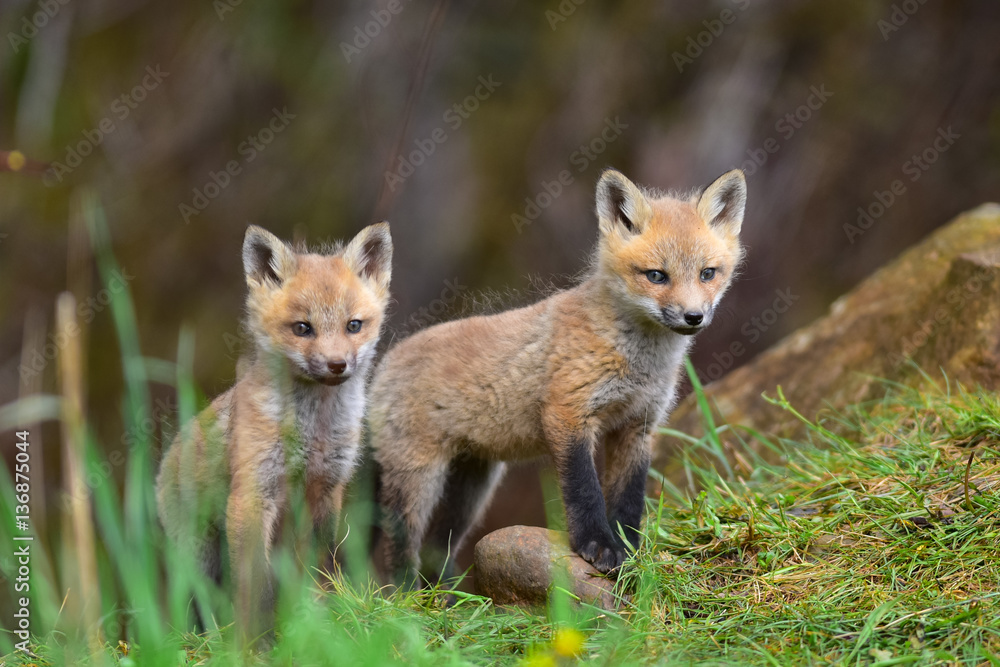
(968,468)
(383,205)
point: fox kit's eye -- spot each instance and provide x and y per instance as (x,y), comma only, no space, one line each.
(707,274)
(658,277)
(301,329)
(354,326)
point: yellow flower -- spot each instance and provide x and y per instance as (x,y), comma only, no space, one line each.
(539,660)
(15,160)
(568,642)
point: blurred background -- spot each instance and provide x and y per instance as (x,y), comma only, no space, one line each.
(478,129)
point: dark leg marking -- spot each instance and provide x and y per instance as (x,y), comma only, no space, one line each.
(628,501)
(589,533)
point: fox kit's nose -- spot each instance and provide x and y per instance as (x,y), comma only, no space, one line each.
(693,319)
(337,366)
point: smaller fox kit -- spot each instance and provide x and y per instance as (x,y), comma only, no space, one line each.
(595,364)
(291,425)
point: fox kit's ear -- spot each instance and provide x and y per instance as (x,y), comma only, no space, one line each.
(723,202)
(266,258)
(369,254)
(621,206)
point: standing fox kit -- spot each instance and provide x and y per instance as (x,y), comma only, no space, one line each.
(595,364)
(291,426)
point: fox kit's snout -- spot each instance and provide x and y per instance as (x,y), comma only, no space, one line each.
(594,365)
(291,426)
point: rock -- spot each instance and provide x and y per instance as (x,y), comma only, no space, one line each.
(938,305)
(514,565)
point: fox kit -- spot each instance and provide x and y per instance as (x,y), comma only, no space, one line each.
(595,364)
(291,425)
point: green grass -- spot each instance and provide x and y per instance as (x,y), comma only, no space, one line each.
(873,542)
(859,548)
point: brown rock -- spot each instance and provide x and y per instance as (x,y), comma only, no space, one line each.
(514,566)
(938,305)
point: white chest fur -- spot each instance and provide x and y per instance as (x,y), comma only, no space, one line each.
(319,432)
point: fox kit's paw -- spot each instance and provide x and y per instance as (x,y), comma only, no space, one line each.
(604,552)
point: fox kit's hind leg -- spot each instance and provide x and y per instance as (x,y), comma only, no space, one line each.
(627,459)
(409,494)
(191,492)
(470,485)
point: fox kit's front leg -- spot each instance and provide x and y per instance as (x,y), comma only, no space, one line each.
(251,522)
(627,456)
(586,516)
(572,441)
(325,506)
(257,500)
